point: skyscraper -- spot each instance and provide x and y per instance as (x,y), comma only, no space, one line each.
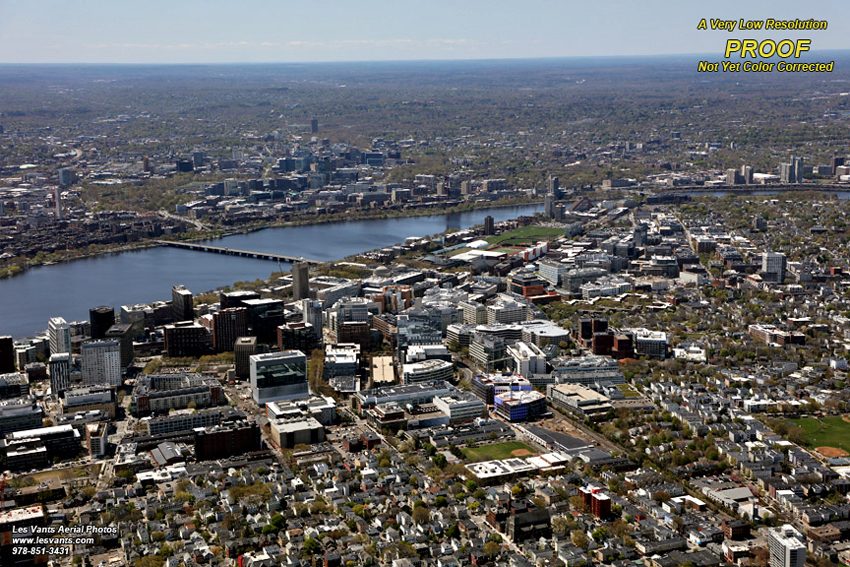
(57,203)
(489,226)
(773,265)
(101,318)
(640,235)
(123,334)
(549,205)
(786,547)
(101,362)
(244,348)
(797,167)
(227,326)
(7,354)
(300,281)
(311,311)
(60,373)
(60,335)
(66,177)
(182,303)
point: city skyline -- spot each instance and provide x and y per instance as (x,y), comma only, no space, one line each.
(194,32)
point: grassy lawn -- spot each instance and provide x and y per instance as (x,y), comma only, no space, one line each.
(58,474)
(628,391)
(825,431)
(498,451)
(459,251)
(526,235)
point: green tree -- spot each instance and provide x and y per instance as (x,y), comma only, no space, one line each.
(310,547)
(421,515)
(439,460)
(579,539)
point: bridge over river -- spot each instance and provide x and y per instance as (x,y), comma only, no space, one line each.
(237,252)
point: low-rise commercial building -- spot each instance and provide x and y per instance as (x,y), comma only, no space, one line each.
(155,393)
(520,406)
(583,402)
(427,371)
(460,407)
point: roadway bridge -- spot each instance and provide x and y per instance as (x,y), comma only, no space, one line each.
(235,252)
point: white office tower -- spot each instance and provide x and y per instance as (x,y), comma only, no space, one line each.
(786,547)
(773,263)
(311,310)
(59,332)
(101,362)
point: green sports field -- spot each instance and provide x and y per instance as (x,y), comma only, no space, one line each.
(526,236)
(829,431)
(499,451)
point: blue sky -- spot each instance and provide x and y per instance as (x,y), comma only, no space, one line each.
(214,31)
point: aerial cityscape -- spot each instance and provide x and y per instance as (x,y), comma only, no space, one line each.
(448,311)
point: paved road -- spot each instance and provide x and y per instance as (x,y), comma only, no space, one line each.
(195,222)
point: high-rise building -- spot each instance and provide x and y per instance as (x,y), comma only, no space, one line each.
(134,315)
(732,176)
(101,362)
(101,318)
(14,385)
(66,177)
(182,303)
(791,172)
(57,203)
(300,281)
(60,373)
(279,376)
(641,234)
(786,547)
(59,332)
(773,264)
(123,334)
(553,185)
(7,354)
(314,126)
(489,226)
(227,326)
(549,205)
(297,336)
(311,310)
(244,348)
(186,338)
(797,167)
(198,159)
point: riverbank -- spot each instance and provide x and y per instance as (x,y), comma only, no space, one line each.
(351,216)
(72,255)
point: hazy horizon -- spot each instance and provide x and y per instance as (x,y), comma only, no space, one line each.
(195,32)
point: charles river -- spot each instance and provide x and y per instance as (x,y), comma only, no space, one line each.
(70,289)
